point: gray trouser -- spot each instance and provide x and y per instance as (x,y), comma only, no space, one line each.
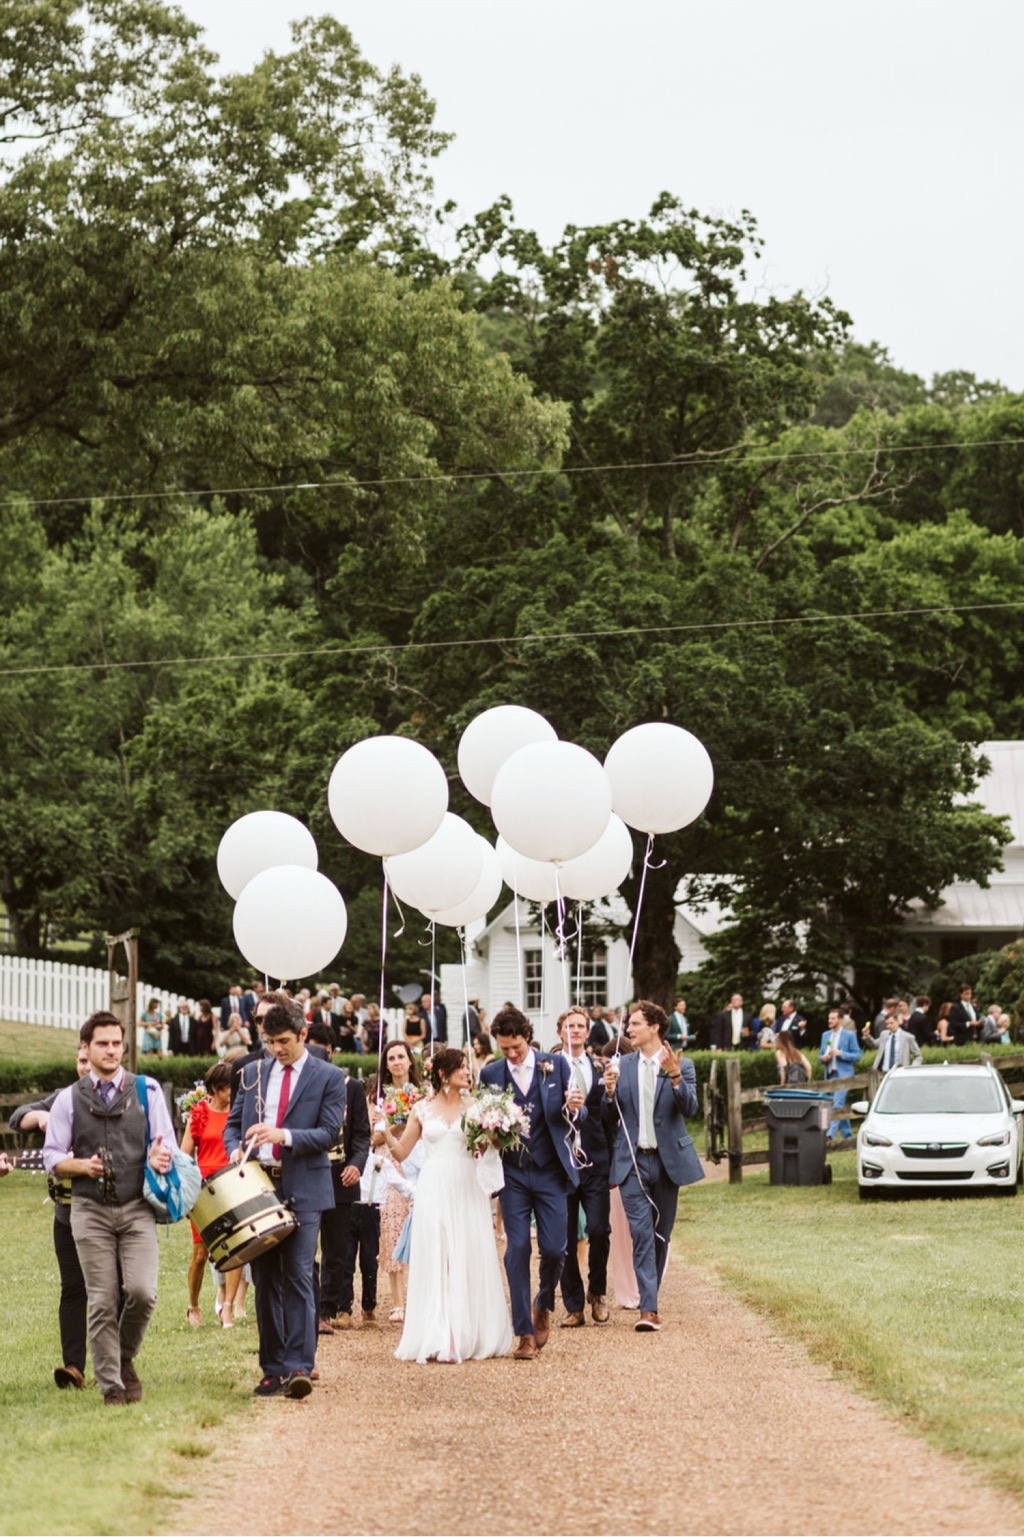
(117,1250)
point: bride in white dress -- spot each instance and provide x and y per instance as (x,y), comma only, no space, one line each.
(455,1308)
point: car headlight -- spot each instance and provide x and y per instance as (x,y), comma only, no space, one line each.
(997,1139)
(873,1139)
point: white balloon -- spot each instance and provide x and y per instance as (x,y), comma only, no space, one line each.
(661,777)
(290,922)
(387,795)
(259,841)
(491,738)
(602,869)
(534,879)
(551,800)
(441,872)
(481,899)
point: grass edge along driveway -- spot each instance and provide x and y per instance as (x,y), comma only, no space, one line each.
(916,1301)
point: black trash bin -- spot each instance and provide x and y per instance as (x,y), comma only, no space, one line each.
(797,1136)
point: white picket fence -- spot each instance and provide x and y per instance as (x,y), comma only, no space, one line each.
(51,993)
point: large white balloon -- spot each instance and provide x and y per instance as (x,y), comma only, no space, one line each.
(290,922)
(441,872)
(661,777)
(491,738)
(387,795)
(258,841)
(551,800)
(602,869)
(534,879)
(481,899)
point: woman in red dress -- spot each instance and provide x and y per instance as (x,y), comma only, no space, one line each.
(204,1136)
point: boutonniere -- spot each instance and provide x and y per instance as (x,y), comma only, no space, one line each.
(546,1069)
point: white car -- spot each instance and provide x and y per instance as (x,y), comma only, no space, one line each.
(942,1124)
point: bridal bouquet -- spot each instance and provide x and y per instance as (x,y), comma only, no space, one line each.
(492,1119)
(398,1103)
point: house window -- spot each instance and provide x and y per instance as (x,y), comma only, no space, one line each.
(533,979)
(592,984)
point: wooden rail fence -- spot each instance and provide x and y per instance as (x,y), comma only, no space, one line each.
(725,1127)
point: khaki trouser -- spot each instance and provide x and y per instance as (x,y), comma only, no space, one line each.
(117,1249)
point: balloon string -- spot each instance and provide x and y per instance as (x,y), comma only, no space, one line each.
(468,1042)
(579,954)
(647,865)
(383,969)
(433,989)
(519,941)
(563,953)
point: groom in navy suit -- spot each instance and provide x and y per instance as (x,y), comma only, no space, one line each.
(289,1109)
(648,1095)
(539,1176)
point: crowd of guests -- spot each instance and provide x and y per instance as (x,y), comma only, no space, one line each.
(353,1023)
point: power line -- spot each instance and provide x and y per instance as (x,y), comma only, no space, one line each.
(544,636)
(696,460)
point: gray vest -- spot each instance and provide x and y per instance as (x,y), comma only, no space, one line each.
(117,1134)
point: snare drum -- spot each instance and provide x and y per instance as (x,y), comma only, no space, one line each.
(239,1215)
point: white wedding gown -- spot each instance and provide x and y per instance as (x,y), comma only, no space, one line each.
(455,1308)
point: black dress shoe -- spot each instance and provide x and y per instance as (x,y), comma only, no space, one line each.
(298,1385)
(269,1387)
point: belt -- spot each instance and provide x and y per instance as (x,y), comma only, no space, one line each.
(275,1173)
(646,1149)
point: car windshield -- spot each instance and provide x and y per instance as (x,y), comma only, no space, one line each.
(955,1095)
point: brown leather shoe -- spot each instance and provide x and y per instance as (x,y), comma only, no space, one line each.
(541,1326)
(369,1317)
(113,1397)
(599,1309)
(343,1321)
(130,1378)
(573,1321)
(526,1350)
(648,1323)
(324,1326)
(68,1377)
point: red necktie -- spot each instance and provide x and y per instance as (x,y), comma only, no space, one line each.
(286,1089)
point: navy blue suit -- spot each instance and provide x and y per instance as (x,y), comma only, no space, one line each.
(537,1182)
(649,1181)
(286,1313)
(594,1196)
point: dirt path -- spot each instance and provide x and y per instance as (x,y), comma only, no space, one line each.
(715,1425)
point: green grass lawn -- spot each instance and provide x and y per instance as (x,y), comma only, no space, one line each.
(36,1043)
(913,1300)
(197,1384)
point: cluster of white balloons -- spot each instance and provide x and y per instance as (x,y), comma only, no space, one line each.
(563,818)
(289,921)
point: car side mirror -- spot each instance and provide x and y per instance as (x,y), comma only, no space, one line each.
(860,1107)
(1017,1105)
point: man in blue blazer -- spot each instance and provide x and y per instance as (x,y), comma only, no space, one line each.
(592,1194)
(648,1095)
(840,1053)
(289,1110)
(539,1176)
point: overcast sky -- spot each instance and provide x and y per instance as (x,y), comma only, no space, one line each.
(878,142)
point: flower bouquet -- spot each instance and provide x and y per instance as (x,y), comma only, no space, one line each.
(493,1119)
(397,1104)
(186,1103)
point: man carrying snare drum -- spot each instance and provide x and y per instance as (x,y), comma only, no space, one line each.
(288,1112)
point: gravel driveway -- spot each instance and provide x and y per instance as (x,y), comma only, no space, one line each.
(715,1425)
